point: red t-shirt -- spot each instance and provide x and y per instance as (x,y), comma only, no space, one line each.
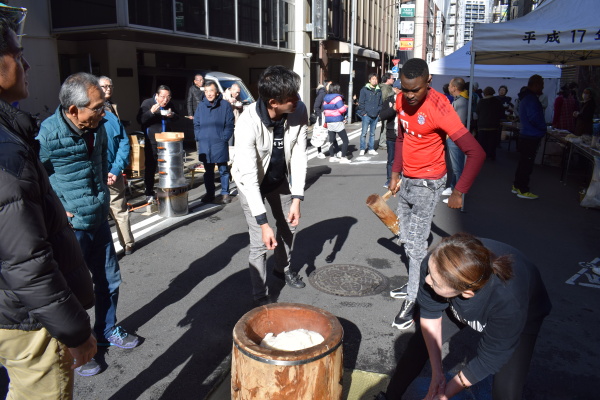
(424,130)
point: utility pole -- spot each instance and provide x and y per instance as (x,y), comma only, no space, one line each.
(352,40)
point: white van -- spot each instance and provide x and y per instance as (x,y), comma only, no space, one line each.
(224,82)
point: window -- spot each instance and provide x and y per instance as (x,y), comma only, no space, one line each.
(248,21)
(154,13)
(221,18)
(82,13)
(190,16)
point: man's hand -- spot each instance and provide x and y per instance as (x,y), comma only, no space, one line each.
(268,237)
(83,353)
(293,217)
(394,183)
(111,179)
(455,200)
(189,116)
(69,215)
(154,108)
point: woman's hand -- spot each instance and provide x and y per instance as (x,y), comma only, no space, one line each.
(437,387)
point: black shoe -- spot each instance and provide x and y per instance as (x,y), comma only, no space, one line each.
(128,250)
(404,319)
(91,368)
(291,279)
(263,301)
(208,198)
(226,199)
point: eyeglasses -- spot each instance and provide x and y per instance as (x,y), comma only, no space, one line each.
(106,86)
(97,110)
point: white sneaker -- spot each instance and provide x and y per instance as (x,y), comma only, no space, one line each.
(447,191)
(344,160)
(321,156)
(445,201)
(339,154)
(333,159)
(362,153)
(373,152)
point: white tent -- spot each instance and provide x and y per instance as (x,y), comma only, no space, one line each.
(459,64)
(514,77)
(557,32)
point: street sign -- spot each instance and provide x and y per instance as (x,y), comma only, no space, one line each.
(406,43)
(395,69)
(407,10)
(407,27)
(395,61)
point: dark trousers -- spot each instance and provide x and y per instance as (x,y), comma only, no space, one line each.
(489,140)
(335,148)
(151,154)
(508,382)
(391,152)
(527,147)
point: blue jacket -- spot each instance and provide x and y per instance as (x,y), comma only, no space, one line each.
(117,144)
(531,115)
(370,101)
(78,179)
(213,127)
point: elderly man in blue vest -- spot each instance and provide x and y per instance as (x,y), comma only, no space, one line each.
(73,149)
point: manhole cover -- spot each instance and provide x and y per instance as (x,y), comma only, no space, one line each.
(348,280)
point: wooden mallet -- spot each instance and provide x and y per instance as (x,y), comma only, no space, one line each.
(378,205)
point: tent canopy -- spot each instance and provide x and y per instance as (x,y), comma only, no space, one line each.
(556,32)
(458,64)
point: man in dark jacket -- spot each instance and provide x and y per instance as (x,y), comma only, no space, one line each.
(388,116)
(387,80)
(44,282)
(533,129)
(213,127)
(195,95)
(369,106)
(155,116)
(73,148)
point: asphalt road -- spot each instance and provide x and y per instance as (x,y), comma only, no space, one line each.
(187,283)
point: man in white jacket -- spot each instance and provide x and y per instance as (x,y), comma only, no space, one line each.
(270,163)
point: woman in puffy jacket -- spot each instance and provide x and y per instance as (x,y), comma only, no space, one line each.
(335,115)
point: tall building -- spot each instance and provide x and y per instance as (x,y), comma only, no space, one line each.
(475,11)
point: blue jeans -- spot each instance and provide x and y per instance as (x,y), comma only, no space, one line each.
(209,178)
(391,151)
(457,159)
(368,123)
(417,199)
(100,256)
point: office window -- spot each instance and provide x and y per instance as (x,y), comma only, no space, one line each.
(248,21)
(221,18)
(190,16)
(154,13)
(82,13)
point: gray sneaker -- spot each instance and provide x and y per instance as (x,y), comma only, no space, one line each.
(399,293)
(91,368)
(120,338)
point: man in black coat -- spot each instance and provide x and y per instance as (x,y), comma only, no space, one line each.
(45,284)
(195,95)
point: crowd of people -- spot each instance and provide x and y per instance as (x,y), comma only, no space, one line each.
(60,183)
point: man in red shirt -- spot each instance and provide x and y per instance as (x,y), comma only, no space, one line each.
(425,119)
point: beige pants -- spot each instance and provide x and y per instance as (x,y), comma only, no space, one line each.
(39,366)
(119,213)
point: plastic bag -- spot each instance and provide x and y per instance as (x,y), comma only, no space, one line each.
(320,134)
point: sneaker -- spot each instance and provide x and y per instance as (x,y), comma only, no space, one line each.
(400,292)
(91,368)
(527,195)
(121,339)
(338,154)
(150,199)
(362,153)
(291,279)
(373,152)
(321,156)
(447,191)
(128,250)
(445,201)
(344,160)
(386,185)
(514,190)
(404,319)
(334,159)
